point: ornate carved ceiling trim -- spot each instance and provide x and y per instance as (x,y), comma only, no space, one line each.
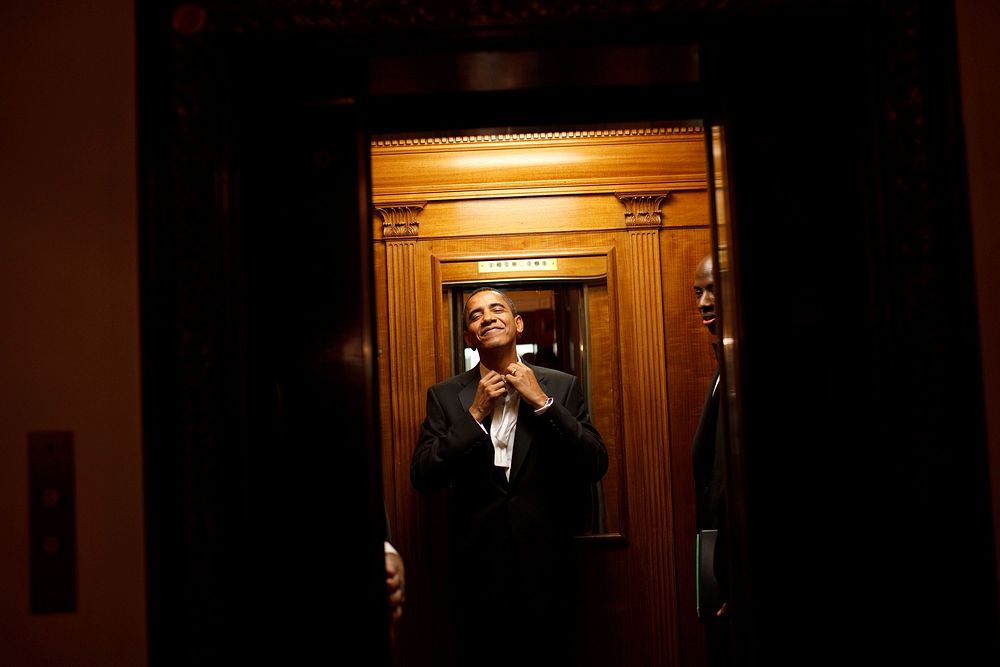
(524,137)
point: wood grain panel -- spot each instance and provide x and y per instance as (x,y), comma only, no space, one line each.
(546,215)
(389,481)
(541,244)
(604,392)
(528,215)
(498,167)
(400,504)
(568,268)
(690,366)
(645,409)
(419,532)
(685,209)
(403,327)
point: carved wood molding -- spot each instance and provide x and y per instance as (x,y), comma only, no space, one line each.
(388,141)
(633,162)
(400,220)
(642,210)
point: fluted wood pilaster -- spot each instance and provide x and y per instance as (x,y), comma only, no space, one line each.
(647,436)
(404,389)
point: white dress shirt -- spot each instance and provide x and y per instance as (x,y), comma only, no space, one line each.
(504,424)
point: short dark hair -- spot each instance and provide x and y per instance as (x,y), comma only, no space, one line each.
(486,288)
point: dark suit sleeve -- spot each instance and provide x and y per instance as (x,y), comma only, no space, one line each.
(448,434)
(569,421)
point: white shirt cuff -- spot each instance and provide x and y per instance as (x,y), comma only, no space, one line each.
(541,410)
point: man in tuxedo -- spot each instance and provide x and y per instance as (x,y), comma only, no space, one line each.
(708,458)
(514,445)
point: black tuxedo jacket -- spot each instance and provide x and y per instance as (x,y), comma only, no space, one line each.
(708,459)
(508,538)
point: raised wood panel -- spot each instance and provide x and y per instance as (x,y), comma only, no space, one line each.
(583,243)
(503,166)
(566,267)
(528,215)
(547,215)
(685,209)
(604,389)
(442,318)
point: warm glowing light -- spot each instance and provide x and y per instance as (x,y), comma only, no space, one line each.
(510,159)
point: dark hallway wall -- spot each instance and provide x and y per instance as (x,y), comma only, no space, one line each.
(69,312)
(979,58)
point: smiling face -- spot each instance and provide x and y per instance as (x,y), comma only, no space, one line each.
(704,292)
(490,322)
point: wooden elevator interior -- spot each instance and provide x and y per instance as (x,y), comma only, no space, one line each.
(623,211)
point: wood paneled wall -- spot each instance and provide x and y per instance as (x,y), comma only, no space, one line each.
(629,206)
